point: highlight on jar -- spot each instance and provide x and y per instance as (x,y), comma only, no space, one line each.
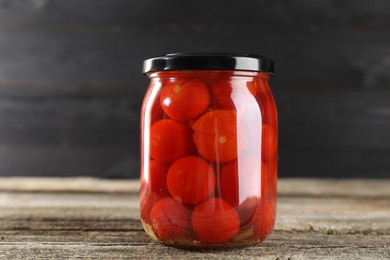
(209,150)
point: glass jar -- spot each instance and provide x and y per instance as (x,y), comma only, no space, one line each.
(208,150)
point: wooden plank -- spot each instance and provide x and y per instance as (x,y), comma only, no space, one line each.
(74,184)
(356,188)
(339,207)
(316,219)
(297,187)
(339,216)
(278,246)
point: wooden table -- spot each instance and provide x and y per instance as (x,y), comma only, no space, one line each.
(95,218)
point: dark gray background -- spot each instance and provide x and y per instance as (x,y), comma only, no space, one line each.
(71,84)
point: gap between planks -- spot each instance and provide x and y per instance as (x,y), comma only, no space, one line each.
(286,186)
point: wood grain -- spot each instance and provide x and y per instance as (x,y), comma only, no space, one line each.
(330,220)
(297,187)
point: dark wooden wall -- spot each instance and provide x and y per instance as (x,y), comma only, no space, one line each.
(71,83)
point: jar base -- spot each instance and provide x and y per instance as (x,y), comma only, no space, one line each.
(242,239)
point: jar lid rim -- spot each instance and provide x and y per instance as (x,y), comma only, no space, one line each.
(209,61)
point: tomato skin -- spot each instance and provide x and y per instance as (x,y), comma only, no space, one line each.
(215,136)
(259,86)
(215,221)
(269,143)
(269,181)
(191,179)
(170,140)
(157,113)
(221,91)
(247,211)
(228,94)
(170,220)
(153,187)
(146,202)
(264,219)
(157,178)
(184,100)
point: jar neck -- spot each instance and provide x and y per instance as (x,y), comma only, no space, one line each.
(208,74)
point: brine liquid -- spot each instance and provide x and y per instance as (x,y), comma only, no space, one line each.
(209,158)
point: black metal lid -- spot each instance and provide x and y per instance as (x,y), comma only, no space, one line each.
(209,61)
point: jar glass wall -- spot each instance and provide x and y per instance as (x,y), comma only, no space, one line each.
(208,158)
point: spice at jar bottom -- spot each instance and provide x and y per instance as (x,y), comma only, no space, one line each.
(209,147)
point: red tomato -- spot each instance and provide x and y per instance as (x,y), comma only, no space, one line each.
(153,187)
(221,91)
(191,179)
(246,210)
(269,180)
(216,136)
(184,100)
(170,140)
(157,113)
(268,108)
(265,219)
(170,220)
(241,179)
(258,85)
(269,143)
(215,221)
(146,202)
(253,87)
(229,94)
(157,179)
(152,109)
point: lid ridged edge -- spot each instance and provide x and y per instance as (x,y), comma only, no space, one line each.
(209,61)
